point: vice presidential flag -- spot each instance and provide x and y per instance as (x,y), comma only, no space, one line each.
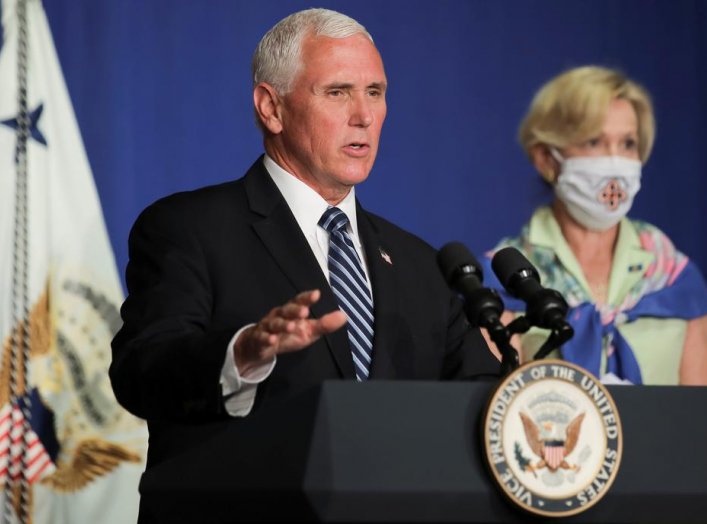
(68,453)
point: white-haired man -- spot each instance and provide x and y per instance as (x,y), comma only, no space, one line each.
(236,298)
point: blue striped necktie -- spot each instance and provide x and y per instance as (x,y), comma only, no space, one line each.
(348,281)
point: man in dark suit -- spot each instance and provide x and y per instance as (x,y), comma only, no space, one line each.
(234,304)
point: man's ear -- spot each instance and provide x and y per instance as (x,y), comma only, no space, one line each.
(544,162)
(268,105)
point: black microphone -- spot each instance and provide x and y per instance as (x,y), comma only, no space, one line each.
(546,308)
(483,306)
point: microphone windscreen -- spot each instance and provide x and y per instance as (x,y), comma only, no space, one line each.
(508,262)
(454,256)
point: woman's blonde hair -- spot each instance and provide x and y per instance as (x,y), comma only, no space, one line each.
(570,109)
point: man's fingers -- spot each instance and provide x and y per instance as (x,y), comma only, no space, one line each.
(307,298)
(292,311)
(289,328)
(330,322)
(298,307)
(277,325)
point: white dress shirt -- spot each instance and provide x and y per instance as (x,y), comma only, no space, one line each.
(307,206)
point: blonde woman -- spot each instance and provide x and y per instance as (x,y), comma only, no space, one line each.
(637,304)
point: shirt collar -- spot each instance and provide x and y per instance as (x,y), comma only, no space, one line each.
(305,203)
(545,231)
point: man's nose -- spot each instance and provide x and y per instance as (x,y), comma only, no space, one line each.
(361,111)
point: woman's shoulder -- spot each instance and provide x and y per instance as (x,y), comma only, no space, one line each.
(669,266)
(667,258)
(652,238)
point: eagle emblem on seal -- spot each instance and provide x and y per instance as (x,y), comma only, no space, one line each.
(551,442)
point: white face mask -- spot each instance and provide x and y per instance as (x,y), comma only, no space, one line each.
(597,191)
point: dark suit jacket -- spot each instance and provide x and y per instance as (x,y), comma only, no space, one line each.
(207,262)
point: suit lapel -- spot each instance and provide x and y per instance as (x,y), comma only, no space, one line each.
(282,237)
(381,267)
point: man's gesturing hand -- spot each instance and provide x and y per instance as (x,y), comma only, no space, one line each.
(285,328)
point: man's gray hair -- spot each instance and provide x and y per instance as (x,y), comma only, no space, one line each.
(277,59)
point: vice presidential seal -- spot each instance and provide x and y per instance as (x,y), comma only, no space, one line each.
(552,438)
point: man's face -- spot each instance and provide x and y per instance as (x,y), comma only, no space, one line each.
(332,117)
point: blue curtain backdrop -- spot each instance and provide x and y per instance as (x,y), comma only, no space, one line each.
(161,89)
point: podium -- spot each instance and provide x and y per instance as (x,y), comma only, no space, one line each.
(411,452)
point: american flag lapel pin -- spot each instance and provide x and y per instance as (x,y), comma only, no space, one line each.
(385,256)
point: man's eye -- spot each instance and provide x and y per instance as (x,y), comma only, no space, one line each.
(374,92)
(336,92)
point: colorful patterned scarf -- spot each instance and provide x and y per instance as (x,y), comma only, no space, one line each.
(671,287)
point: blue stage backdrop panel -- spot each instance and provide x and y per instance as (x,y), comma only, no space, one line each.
(162,93)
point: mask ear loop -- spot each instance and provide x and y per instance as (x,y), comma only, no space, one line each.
(556,154)
(549,175)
